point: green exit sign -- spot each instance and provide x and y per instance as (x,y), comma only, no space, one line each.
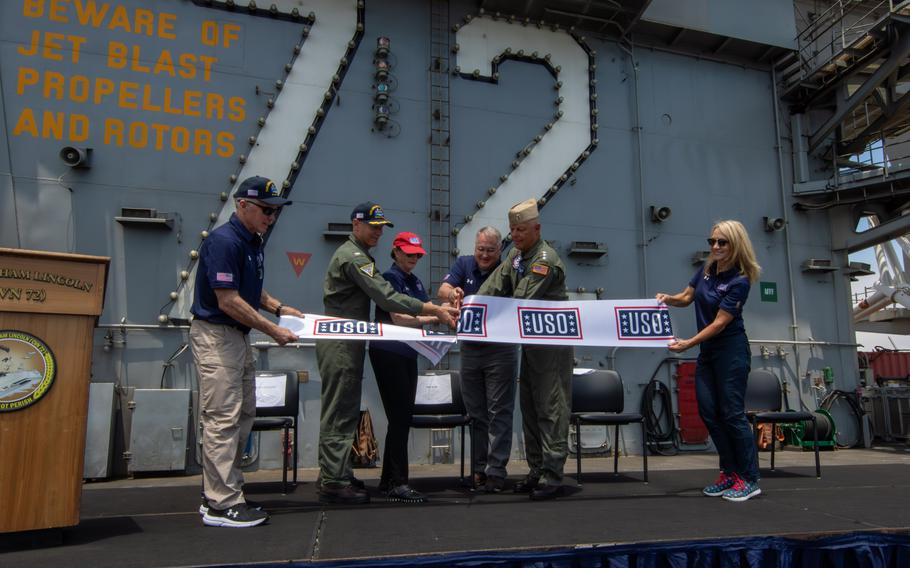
(768,291)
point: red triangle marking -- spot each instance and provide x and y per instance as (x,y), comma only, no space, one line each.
(298,261)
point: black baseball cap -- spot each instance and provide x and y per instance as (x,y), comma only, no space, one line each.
(371,213)
(261,189)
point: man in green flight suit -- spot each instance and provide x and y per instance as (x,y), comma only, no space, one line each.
(351,282)
(533,270)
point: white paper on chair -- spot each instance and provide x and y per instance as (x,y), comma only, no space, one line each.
(434,389)
(270,390)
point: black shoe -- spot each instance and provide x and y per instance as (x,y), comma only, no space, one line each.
(238,516)
(494,484)
(544,492)
(404,494)
(358,484)
(342,495)
(527,485)
(204,506)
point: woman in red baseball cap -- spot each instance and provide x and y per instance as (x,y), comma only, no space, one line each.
(395,367)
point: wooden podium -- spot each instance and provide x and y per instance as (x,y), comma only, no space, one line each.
(49,305)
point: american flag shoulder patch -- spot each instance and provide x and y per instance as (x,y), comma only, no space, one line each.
(224,277)
(538,268)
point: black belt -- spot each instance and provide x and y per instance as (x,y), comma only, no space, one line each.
(241,328)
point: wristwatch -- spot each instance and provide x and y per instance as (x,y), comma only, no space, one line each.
(278,310)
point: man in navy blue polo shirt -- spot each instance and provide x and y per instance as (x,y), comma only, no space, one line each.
(229,295)
(487,369)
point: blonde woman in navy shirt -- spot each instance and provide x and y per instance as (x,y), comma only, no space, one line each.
(719,291)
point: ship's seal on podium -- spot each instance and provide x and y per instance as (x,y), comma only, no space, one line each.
(27,369)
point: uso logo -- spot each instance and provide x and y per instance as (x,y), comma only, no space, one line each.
(473,320)
(550,323)
(347,328)
(643,323)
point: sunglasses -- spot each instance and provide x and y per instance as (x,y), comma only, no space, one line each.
(267,211)
(719,242)
(416,255)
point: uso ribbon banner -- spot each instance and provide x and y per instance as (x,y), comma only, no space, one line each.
(626,323)
(430,344)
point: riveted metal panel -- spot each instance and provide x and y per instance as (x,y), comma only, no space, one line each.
(160,430)
(99,434)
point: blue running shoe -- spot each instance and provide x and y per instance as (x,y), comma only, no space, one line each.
(742,490)
(723,483)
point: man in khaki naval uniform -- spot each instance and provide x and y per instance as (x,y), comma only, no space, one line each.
(533,270)
(351,282)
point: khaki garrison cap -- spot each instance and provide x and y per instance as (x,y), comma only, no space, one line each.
(523,212)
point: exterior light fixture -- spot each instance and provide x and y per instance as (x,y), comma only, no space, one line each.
(659,214)
(773,224)
(383,47)
(382,70)
(76,157)
(381,118)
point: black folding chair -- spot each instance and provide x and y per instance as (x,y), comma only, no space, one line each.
(597,398)
(764,397)
(446,414)
(281,417)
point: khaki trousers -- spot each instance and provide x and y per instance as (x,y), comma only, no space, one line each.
(224,364)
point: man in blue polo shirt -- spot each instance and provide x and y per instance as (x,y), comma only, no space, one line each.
(229,295)
(488,370)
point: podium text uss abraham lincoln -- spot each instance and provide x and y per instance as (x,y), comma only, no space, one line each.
(37,276)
